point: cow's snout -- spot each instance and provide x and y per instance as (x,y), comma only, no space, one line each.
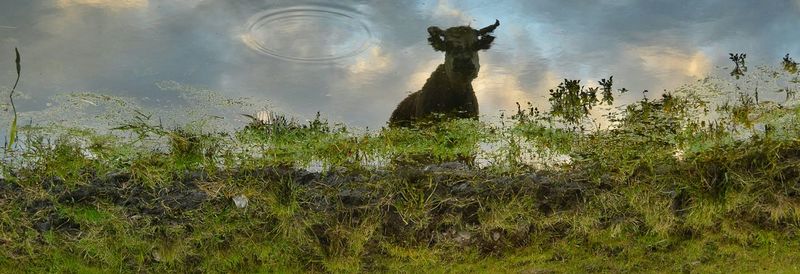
(463,65)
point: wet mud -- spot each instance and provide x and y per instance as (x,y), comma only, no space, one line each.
(455,191)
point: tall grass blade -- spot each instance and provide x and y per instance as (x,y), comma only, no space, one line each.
(13,131)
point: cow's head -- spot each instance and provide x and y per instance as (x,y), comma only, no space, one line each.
(460,46)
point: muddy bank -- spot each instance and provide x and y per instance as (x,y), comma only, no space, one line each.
(453,196)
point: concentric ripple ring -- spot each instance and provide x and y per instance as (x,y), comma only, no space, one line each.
(308,33)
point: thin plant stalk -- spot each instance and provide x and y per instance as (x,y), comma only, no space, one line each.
(13,132)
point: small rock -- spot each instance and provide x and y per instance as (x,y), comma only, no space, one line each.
(240,201)
(495,236)
(157,256)
(463,237)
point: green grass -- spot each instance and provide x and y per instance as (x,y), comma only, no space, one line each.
(675,186)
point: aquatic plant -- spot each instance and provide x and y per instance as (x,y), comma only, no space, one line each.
(572,102)
(789,65)
(12,135)
(740,65)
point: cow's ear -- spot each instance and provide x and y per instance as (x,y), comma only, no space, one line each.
(484,42)
(436,38)
(485,39)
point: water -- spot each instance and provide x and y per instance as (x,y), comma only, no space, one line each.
(353,61)
(338,33)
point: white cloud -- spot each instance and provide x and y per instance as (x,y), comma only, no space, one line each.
(671,63)
(498,92)
(374,61)
(445,9)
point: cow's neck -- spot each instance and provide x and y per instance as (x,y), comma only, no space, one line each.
(441,83)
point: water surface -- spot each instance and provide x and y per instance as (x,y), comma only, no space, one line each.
(354,60)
